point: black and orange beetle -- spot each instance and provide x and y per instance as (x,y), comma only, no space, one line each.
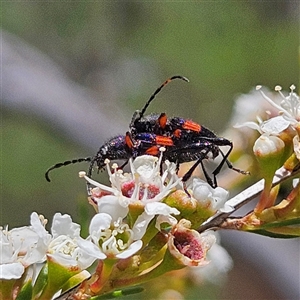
(184,141)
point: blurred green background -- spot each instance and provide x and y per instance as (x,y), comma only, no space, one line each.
(118,53)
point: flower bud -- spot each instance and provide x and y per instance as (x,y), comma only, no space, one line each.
(269,152)
(203,202)
(267,146)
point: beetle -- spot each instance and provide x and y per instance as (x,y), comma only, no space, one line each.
(184,140)
(119,147)
(191,141)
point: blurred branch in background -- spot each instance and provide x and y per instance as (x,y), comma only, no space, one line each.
(33,84)
(224,48)
(38,98)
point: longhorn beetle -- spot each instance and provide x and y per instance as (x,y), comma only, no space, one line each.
(184,140)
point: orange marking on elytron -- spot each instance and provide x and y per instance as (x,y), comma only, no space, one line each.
(177,133)
(163,141)
(162,120)
(154,150)
(190,125)
(128,140)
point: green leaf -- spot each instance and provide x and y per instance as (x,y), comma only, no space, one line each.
(282,223)
(280,233)
(57,276)
(76,280)
(26,291)
(119,293)
(41,280)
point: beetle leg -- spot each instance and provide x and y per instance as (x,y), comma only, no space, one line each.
(189,173)
(208,178)
(123,165)
(228,163)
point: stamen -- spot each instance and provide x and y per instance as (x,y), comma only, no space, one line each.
(131,166)
(109,172)
(145,196)
(117,238)
(281,94)
(280,108)
(82,174)
(162,150)
(114,166)
(43,220)
(278,88)
(291,103)
(136,191)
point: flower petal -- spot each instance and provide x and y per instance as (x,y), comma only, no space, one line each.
(11,271)
(275,125)
(63,225)
(141,224)
(206,196)
(112,206)
(159,208)
(132,249)
(100,221)
(151,209)
(90,248)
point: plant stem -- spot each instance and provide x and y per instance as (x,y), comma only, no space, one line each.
(246,196)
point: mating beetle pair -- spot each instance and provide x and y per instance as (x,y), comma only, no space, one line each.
(184,141)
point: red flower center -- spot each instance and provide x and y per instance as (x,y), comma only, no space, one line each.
(188,245)
(129,187)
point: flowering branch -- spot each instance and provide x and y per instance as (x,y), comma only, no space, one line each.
(246,196)
(149,221)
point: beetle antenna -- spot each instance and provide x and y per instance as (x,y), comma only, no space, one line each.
(65,163)
(142,112)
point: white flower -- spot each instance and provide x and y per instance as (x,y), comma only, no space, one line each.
(188,246)
(142,189)
(246,107)
(22,247)
(109,238)
(63,247)
(152,209)
(273,126)
(147,167)
(215,199)
(289,110)
(112,205)
(289,107)
(144,183)
(10,267)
